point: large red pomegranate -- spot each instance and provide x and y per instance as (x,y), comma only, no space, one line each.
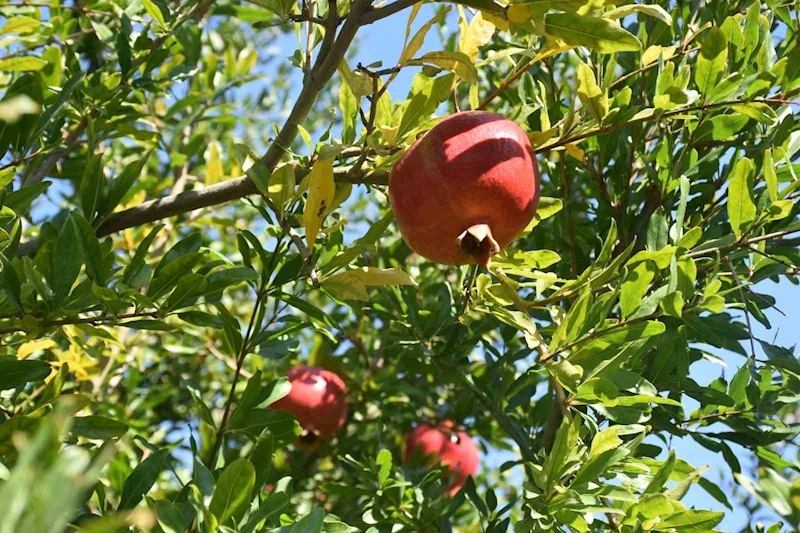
(466,189)
(443,443)
(317,400)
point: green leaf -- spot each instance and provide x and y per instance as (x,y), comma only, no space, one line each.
(712,61)
(187,287)
(172,274)
(311,523)
(691,521)
(231,329)
(154,11)
(741,205)
(568,329)
(142,479)
(651,10)
(418,39)
(757,111)
(54,110)
(384,463)
(185,246)
(657,230)
(595,33)
(661,477)
(592,96)
(20,24)
(273,391)
(635,286)
(14,374)
(137,264)
(22,64)
(66,263)
(275,502)
(261,457)
(21,199)
(170,518)
(456,62)
(89,248)
(92,183)
(123,42)
(232,494)
(720,128)
(122,183)
(770,177)
(98,427)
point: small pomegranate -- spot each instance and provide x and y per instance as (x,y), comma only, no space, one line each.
(443,443)
(466,189)
(317,400)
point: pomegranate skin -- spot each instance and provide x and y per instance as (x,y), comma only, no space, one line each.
(317,400)
(473,168)
(442,443)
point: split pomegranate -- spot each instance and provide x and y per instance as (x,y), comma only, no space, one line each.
(443,443)
(317,400)
(466,189)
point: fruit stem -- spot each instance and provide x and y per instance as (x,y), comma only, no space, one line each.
(478,243)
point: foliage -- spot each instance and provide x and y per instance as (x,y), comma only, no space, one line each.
(146,318)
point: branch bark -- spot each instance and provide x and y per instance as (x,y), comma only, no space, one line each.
(216,194)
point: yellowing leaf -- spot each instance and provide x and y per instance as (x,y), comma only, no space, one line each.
(321,191)
(34,346)
(22,64)
(518,13)
(575,151)
(213,156)
(653,52)
(351,285)
(21,24)
(478,33)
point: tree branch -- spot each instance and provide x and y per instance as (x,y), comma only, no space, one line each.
(216,194)
(375,15)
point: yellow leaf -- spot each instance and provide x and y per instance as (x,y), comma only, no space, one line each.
(214,171)
(389,134)
(352,285)
(653,52)
(34,346)
(518,13)
(321,191)
(574,151)
(478,33)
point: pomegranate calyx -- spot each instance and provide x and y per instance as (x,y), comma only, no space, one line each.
(477,241)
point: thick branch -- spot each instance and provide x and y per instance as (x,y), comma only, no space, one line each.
(323,70)
(375,15)
(216,194)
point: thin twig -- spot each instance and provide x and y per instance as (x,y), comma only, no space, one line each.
(746,311)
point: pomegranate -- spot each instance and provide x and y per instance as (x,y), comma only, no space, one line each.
(443,443)
(317,400)
(466,189)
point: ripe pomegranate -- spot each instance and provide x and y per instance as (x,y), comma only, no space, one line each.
(466,189)
(317,400)
(445,444)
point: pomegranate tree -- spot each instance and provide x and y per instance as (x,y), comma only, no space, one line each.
(445,444)
(466,189)
(317,400)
